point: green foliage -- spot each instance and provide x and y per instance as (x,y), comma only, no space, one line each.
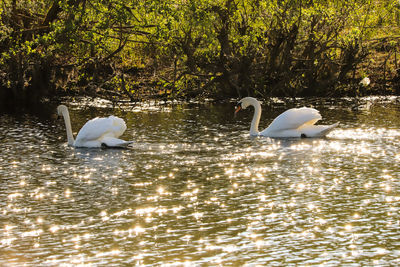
(192,48)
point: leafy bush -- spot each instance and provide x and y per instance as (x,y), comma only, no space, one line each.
(219,48)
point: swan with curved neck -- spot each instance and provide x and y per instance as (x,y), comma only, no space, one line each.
(295,122)
(98,132)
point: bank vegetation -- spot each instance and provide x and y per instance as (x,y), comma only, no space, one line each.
(139,49)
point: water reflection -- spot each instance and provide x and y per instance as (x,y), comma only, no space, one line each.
(196,190)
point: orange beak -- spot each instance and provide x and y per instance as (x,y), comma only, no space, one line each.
(237,109)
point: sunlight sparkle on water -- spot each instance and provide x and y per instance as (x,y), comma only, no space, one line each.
(32,233)
(348,227)
(195,189)
(54,228)
(138,230)
(14,196)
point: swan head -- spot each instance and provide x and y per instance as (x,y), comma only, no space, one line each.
(61,109)
(244,103)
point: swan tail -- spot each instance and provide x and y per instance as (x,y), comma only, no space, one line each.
(316,130)
(328,129)
(111,142)
(125,144)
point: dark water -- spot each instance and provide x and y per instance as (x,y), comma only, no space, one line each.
(196,190)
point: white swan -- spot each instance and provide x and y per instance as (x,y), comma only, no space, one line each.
(295,122)
(98,132)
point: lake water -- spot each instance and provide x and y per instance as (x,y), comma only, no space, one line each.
(196,190)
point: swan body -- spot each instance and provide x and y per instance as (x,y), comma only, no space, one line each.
(98,132)
(293,123)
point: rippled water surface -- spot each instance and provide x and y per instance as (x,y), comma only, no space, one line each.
(196,190)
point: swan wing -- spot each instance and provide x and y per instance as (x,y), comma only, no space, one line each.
(98,128)
(295,118)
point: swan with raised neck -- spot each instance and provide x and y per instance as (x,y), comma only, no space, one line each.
(295,122)
(62,110)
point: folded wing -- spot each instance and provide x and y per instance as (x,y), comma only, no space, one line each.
(295,118)
(100,128)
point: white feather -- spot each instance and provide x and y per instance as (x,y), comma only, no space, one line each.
(295,122)
(97,132)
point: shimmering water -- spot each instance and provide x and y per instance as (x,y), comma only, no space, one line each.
(196,190)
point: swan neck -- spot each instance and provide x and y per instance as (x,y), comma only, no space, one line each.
(256,118)
(68,127)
